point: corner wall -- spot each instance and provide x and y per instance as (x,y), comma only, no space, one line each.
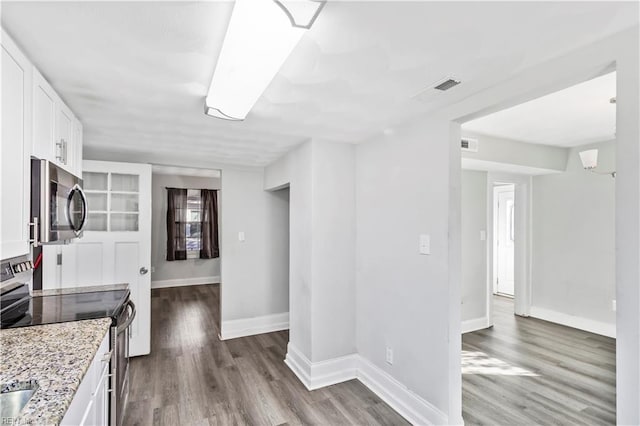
(573,244)
(402,187)
(254,277)
(474,250)
(320,176)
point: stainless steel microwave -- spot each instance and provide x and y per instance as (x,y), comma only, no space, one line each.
(58,204)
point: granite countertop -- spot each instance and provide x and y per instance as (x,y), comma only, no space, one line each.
(74,290)
(57,357)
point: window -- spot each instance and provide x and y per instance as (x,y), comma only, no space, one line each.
(112,202)
(193,224)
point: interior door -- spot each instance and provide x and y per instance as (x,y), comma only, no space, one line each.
(505,240)
(116,246)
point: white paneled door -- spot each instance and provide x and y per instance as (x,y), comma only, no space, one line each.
(505,239)
(116,246)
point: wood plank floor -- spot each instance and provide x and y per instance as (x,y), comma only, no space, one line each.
(528,371)
(192,378)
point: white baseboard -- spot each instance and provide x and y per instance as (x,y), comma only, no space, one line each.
(232,329)
(181,282)
(597,327)
(315,375)
(337,370)
(413,408)
(475,324)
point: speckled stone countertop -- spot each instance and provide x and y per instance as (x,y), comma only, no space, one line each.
(56,356)
(75,290)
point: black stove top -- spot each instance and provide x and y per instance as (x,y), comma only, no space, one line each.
(39,310)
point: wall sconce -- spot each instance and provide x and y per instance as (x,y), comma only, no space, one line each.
(589,160)
(259,39)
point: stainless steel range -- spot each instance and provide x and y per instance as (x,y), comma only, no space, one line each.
(19,309)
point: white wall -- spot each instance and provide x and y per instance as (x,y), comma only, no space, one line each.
(295,170)
(496,151)
(404,299)
(333,248)
(402,187)
(254,271)
(573,247)
(474,250)
(183,269)
(322,274)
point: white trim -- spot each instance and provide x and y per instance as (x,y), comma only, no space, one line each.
(475,324)
(232,329)
(597,327)
(181,282)
(413,408)
(315,375)
(184,171)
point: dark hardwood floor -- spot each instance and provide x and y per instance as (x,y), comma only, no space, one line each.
(192,378)
(528,371)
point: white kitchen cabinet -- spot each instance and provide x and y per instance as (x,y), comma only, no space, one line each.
(44,117)
(54,127)
(90,405)
(77,147)
(64,147)
(15,168)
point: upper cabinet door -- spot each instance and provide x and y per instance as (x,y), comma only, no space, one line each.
(44,118)
(64,146)
(15,152)
(77,147)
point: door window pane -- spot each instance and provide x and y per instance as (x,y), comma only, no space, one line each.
(124,183)
(112,201)
(124,222)
(96,201)
(96,222)
(93,181)
(124,202)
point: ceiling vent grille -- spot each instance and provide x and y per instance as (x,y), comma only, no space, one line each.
(469,145)
(447,84)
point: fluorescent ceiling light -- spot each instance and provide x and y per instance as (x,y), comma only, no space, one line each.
(260,37)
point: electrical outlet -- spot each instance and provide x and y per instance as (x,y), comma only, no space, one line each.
(389,356)
(613,305)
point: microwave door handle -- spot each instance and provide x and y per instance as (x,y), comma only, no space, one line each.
(76,189)
(85,209)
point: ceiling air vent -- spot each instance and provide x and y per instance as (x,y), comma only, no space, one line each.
(469,145)
(447,84)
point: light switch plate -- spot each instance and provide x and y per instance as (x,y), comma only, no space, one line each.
(425,244)
(483,235)
(241,236)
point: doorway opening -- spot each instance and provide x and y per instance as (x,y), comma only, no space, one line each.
(503,239)
(540,189)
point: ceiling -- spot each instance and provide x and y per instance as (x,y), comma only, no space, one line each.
(578,115)
(136,73)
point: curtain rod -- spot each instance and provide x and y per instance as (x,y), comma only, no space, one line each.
(191,189)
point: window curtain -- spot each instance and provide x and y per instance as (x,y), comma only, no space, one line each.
(209,243)
(176,224)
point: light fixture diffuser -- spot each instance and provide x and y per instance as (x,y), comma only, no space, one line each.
(589,159)
(259,39)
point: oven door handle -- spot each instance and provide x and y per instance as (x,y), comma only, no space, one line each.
(132,315)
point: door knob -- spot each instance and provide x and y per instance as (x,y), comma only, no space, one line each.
(143,270)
